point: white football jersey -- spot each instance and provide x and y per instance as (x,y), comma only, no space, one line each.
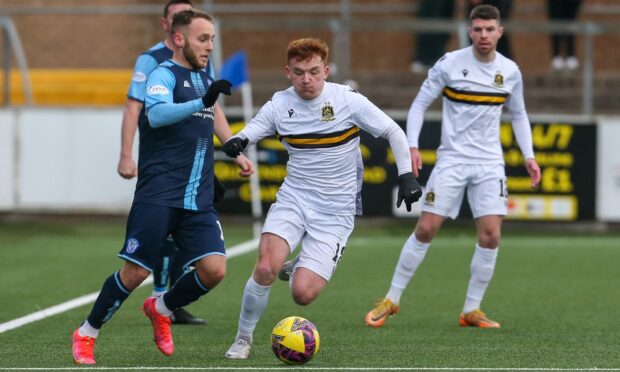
(322,139)
(473,96)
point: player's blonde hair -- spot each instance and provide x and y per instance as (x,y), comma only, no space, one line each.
(306,48)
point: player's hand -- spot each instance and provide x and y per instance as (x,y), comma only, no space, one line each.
(534,171)
(217,87)
(127,168)
(409,190)
(416,161)
(234,146)
(246,168)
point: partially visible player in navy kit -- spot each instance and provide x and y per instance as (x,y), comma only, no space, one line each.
(166,270)
(174,193)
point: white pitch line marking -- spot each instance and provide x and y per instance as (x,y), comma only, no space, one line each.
(89,298)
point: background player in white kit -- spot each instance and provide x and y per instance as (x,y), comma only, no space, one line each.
(318,123)
(475,82)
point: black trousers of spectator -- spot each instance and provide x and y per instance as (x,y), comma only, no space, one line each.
(563,10)
(431,46)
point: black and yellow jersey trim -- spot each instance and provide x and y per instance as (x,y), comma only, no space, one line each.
(475,98)
(321,140)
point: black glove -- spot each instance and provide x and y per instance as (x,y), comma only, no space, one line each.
(234,146)
(409,190)
(217,87)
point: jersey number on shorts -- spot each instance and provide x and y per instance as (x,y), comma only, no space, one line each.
(221,231)
(339,253)
(503,189)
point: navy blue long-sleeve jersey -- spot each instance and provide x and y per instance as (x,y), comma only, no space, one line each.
(175,166)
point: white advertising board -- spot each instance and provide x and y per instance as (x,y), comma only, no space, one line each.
(67,160)
(7,159)
(608,170)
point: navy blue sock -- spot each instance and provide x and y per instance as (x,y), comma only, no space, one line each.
(161,271)
(187,289)
(112,295)
(176,270)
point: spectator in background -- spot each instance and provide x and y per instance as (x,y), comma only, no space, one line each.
(563,10)
(431,45)
(504,6)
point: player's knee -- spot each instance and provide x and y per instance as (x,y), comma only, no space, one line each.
(211,276)
(489,239)
(304,297)
(425,232)
(133,275)
(264,273)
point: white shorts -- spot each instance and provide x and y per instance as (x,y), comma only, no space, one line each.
(486,189)
(323,237)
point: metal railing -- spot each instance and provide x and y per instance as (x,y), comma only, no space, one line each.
(12,42)
(339,18)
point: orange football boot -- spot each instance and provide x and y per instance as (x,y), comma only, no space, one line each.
(161,327)
(477,318)
(83,348)
(382,310)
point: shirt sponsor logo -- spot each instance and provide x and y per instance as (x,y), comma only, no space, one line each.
(157,90)
(138,77)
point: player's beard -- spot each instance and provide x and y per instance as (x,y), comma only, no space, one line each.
(192,58)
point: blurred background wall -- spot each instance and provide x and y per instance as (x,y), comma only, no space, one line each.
(59,151)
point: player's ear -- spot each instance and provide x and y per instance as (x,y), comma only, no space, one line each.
(178,39)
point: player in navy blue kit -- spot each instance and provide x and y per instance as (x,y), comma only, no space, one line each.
(167,270)
(174,193)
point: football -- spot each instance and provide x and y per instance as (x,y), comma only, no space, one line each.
(295,340)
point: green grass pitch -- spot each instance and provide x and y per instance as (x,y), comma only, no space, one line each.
(557,296)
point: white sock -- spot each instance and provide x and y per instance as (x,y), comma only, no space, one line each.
(161,307)
(482,266)
(290,280)
(156,293)
(253,304)
(87,330)
(411,257)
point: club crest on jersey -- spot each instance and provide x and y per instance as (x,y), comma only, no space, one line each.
(132,245)
(430,198)
(498,81)
(327,112)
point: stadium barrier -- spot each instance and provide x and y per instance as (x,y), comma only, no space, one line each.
(64,160)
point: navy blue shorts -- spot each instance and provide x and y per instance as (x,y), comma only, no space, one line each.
(196,233)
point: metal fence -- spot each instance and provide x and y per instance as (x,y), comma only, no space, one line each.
(338,18)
